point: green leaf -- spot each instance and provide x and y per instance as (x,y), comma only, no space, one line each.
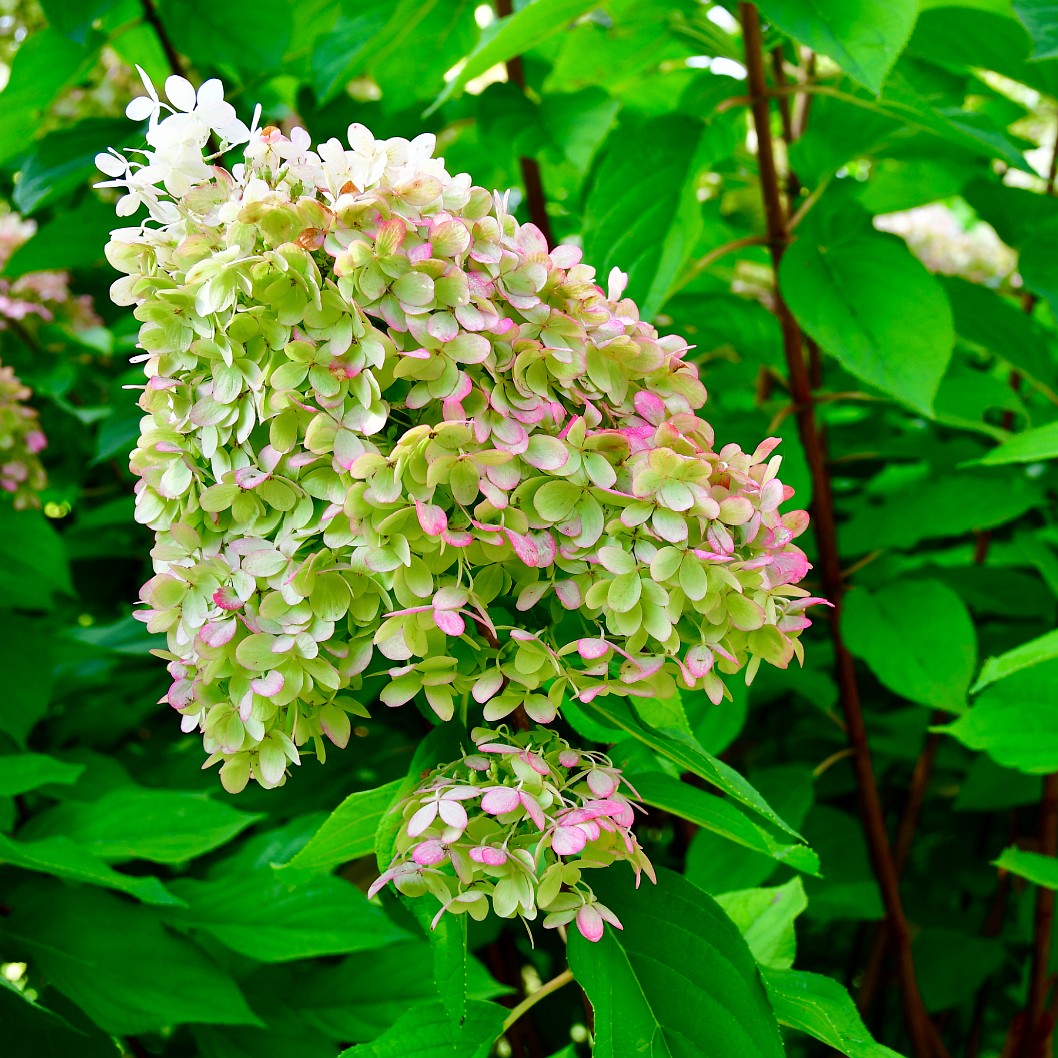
(678,980)
(358,999)
(952,965)
(715,814)
(1035,652)
(42,67)
(1036,868)
(1015,721)
(935,505)
(250,36)
(254,913)
(348,832)
(26,661)
(683,751)
(27,771)
(75,20)
(765,918)
(31,1029)
(33,566)
(918,639)
(864,37)
(820,1007)
(163,826)
(286,1033)
(340,55)
(514,35)
(118,964)
(1040,18)
(717,865)
(1029,446)
(429,1031)
(65,160)
(74,239)
(63,858)
(867,301)
(644,221)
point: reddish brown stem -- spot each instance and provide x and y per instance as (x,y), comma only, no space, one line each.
(1036,1026)
(535,199)
(923,1042)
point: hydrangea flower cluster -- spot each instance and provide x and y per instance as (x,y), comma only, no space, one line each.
(517,823)
(391,437)
(21,441)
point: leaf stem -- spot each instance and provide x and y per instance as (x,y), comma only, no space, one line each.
(924,1043)
(542,992)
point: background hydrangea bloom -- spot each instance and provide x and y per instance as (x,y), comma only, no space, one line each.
(390,431)
(21,441)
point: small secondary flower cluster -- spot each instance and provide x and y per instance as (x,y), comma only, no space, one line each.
(517,823)
(390,433)
(21,441)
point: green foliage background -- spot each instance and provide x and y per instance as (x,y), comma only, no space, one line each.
(147,912)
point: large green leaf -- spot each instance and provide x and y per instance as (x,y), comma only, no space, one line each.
(45,64)
(63,858)
(934,505)
(31,1029)
(1015,721)
(254,913)
(28,771)
(918,639)
(720,816)
(644,220)
(717,865)
(26,659)
(65,160)
(33,566)
(430,1031)
(864,37)
(820,1007)
(765,918)
(685,752)
(1035,652)
(116,961)
(250,36)
(1040,18)
(359,998)
(75,239)
(348,832)
(164,826)
(677,981)
(867,301)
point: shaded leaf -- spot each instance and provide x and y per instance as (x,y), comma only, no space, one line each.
(705,996)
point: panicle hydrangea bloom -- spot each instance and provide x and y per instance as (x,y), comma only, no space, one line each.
(388,432)
(517,824)
(21,441)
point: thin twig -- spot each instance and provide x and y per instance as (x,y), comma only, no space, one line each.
(531,1000)
(923,1041)
(535,199)
(715,254)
